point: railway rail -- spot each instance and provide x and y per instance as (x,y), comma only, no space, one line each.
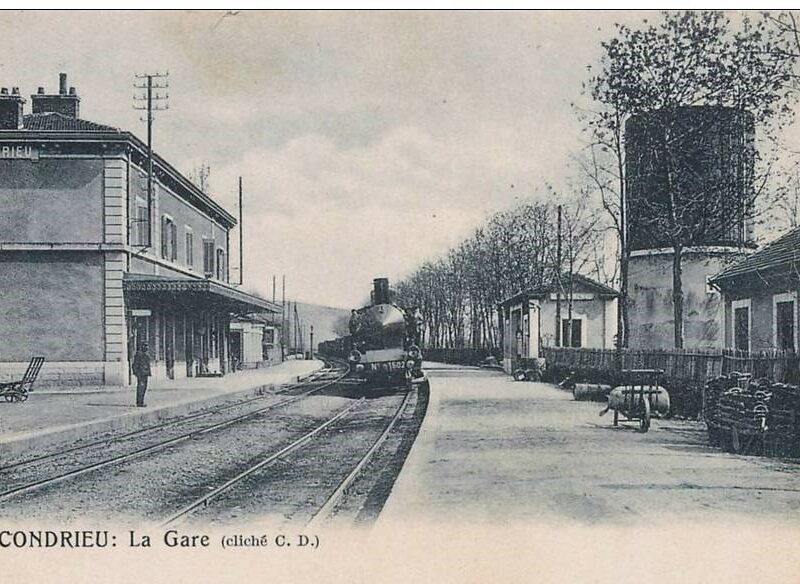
(332,499)
(317,382)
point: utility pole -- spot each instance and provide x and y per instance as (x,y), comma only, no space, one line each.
(283,319)
(311,342)
(558,281)
(296,323)
(149,101)
(241,236)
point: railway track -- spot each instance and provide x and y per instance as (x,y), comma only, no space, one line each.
(332,498)
(304,464)
(308,385)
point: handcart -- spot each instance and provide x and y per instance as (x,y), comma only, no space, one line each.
(17,391)
(637,399)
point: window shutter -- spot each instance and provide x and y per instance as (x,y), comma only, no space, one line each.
(174,235)
(164,237)
(189,250)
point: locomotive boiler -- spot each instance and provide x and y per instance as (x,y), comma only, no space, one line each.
(384,341)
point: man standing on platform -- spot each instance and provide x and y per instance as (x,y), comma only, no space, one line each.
(141,369)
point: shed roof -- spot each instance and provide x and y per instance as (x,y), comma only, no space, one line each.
(578,280)
(782,251)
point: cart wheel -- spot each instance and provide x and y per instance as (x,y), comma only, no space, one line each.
(644,421)
(616,418)
(9,397)
(22,397)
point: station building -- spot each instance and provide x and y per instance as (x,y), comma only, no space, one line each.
(90,266)
(530,319)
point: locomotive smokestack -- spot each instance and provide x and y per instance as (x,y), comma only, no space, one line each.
(381,291)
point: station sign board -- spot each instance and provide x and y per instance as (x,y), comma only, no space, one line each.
(18,152)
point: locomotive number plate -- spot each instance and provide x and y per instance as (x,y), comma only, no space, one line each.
(388,366)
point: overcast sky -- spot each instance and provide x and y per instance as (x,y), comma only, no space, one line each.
(368,142)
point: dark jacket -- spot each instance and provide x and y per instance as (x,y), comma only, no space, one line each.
(141,364)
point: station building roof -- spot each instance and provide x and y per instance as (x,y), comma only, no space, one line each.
(189,290)
(49,127)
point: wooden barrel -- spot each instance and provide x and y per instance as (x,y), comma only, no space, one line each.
(590,392)
(659,398)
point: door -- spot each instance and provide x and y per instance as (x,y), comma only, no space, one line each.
(236,350)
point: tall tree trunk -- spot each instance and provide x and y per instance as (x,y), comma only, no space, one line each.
(677,294)
(623,319)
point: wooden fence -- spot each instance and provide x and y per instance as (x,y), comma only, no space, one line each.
(687,365)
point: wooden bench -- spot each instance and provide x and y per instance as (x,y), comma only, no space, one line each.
(17,391)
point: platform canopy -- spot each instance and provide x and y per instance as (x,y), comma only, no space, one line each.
(195,292)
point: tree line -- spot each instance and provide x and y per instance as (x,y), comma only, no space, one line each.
(514,250)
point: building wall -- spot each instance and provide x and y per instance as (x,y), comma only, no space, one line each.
(651,308)
(183,215)
(762,320)
(52,305)
(593,313)
(252,336)
(51,200)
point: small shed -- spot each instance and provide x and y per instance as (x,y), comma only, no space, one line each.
(247,333)
(530,318)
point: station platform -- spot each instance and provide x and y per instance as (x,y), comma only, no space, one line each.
(64,415)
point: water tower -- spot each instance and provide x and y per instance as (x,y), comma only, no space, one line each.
(689,174)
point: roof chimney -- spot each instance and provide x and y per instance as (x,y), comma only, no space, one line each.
(10,109)
(64,103)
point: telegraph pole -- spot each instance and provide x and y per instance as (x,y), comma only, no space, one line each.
(241,236)
(283,319)
(558,281)
(149,101)
(296,323)
(311,341)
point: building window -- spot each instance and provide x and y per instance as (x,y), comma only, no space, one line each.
(208,257)
(189,247)
(741,325)
(141,225)
(169,239)
(784,319)
(221,265)
(572,336)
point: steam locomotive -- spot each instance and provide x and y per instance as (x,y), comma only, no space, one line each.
(383,347)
